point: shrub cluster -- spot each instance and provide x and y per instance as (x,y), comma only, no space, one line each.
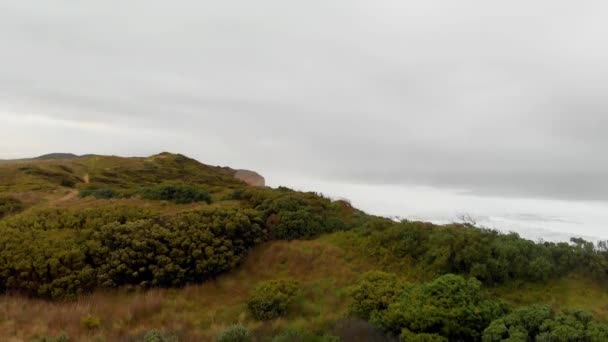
(291,215)
(179,193)
(98,193)
(540,323)
(57,254)
(234,333)
(9,206)
(374,292)
(453,308)
(491,257)
(450,307)
(271,299)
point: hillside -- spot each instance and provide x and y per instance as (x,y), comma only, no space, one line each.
(165,248)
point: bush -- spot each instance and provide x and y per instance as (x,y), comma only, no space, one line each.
(176,192)
(271,299)
(234,333)
(291,215)
(540,323)
(90,322)
(450,306)
(9,206)
(487,255)
(408,336)
(374,292)
(65,253)
(98,193)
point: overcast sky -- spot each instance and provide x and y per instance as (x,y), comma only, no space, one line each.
(498,97)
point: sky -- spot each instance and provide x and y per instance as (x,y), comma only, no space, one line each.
(500,99)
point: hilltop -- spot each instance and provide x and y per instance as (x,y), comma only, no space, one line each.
(166,247)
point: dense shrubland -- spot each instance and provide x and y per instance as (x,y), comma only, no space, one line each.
(488,255)
(179,193)
(59,253)
(143,240)
(10,205)
(454,308)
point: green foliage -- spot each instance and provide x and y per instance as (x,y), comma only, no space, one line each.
(540,323)
(487,255)
(98,193)
(293,215)
(234,333)
(522,322)
(90,322)
(63,253)
(408,336)
(374,292)
(450,306)
(9,206)
(179,193)
(158,336)
(271,299)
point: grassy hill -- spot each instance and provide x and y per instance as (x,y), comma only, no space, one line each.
(104,248)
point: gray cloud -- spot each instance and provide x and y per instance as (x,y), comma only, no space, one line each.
(499,98)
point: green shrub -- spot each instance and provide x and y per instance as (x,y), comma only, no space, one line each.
(408,336)
(98,193)
(90,322)
(450,306)
(540,323)
(159,336)
(9,206)
(291,215)
(487,255)
(69,252)
(374,292)
(234,333)
(176,192)
(271,299)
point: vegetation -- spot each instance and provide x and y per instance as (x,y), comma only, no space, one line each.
(158,336)
(272,299)
(10,205)
(186,248)
(234,333)
(491,257)
(98,193)
(176,192)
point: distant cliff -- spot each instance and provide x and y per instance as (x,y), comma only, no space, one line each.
(250,177)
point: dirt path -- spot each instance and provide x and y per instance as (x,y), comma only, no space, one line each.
(68,196)
(72,193)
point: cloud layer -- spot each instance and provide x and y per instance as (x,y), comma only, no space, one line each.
(499,98)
